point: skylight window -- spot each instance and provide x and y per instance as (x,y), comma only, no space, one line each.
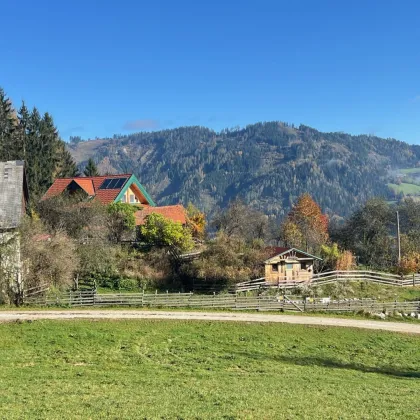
(112,183)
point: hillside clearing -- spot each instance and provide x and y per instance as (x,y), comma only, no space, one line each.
(405,188)
(178,369)
(410,170)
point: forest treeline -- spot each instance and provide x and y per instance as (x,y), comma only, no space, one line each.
(269,165)
(27,135)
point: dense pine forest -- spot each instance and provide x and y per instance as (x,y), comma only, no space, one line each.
(27,135)
(268,165)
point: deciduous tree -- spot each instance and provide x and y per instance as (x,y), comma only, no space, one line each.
(305,225)
(161,232)
(121,221)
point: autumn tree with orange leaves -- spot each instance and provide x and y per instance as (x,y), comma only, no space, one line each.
(306,227)
(196,221)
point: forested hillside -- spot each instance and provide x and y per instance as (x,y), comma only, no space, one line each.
(267,164)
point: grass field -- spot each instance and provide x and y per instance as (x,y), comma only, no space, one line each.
(410,171)
(203,370)
(364,289)
(405,188)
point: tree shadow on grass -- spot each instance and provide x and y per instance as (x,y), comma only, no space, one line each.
(336,364)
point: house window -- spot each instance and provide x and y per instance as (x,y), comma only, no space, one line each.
(303,265)
(274,267)
(289,266)
(132,198)
(124,199)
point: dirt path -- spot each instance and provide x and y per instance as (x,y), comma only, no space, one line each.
(8,316)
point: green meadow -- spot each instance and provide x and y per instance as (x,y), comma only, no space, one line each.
(405,188)
(205,370)
(410,171)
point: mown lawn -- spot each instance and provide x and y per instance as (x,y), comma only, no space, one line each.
(205,370)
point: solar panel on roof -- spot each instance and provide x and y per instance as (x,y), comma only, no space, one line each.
(120,183)
(105,184)
(112,183)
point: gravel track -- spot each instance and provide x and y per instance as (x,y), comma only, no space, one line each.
(9,316)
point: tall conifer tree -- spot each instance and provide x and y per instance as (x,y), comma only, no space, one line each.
(8,128)
(28,136)
(91,168)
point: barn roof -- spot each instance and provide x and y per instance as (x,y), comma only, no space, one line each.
(13,193)
(280,251)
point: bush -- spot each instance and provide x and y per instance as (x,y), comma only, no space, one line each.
(49,260)
(128,284)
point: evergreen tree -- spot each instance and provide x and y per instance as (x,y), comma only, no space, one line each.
(8,129)
(28,136)
(91,168)
(23,116)
(67,167)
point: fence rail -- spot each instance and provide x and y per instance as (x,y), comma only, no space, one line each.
(227,301)
(332,277)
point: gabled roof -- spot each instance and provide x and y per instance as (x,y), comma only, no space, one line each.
(281,251)
(176,213)
(86,184)
(13,193)
(92,186)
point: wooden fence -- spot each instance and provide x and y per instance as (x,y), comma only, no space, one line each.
(222,301)
(333,277)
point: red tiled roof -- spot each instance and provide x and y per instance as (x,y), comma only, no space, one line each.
(85,184)
(176,213)
(107,196)
(57,187)
(90,185)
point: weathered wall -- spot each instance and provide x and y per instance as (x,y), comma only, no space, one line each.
(10,266)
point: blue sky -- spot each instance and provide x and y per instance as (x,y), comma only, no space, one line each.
(105,67)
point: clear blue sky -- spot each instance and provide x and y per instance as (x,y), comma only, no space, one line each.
(105,67)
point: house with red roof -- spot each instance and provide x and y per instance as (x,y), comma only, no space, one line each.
(289,265)
(108,189)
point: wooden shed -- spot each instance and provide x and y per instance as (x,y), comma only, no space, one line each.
(288,265)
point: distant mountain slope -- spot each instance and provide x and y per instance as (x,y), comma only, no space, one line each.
(267,164)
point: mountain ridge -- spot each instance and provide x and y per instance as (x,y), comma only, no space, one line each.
(267,164)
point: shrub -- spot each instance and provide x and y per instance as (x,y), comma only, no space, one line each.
(128,284)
